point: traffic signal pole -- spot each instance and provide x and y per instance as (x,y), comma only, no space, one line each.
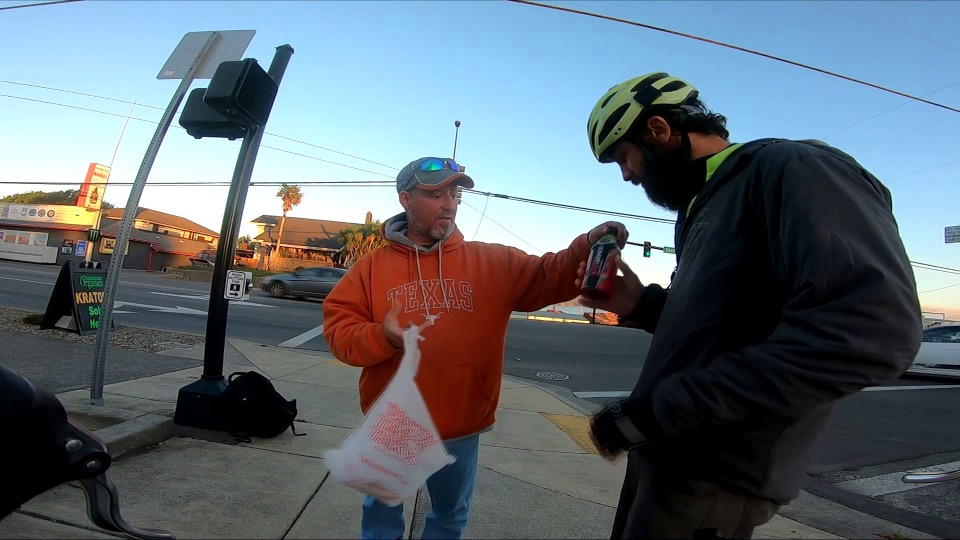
(199,403)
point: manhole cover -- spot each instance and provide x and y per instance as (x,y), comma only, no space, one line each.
(552,375)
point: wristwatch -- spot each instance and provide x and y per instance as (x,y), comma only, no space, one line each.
(614,430)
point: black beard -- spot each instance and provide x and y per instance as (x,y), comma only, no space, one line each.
(671,179)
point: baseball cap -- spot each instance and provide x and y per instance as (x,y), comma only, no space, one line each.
(431,173)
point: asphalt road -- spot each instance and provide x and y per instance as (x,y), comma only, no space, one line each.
(874,433)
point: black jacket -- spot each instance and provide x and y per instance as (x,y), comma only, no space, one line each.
(792,290)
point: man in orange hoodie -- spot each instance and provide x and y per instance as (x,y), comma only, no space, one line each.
(468,290)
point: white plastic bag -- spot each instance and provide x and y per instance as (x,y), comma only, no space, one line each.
(397,446)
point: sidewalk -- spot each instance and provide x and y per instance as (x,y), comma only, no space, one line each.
(538,477)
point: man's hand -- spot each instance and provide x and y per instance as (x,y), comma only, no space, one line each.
(627,289)
(611,457)
(391,326)
(597,232)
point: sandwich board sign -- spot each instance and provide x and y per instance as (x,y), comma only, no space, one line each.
(76,301)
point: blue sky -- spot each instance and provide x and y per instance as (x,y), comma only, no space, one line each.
(384,81)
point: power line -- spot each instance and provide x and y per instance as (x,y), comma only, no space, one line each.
(885,112)
(924,170)
(935,268)
(573,207)
(885,26)
(736,48)
(939,288)
(39,4)
(214,183)
(491,220)
(76,107)
(379,183)
(902,135)
(137,104)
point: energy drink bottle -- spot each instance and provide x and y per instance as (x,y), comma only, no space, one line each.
(601,268)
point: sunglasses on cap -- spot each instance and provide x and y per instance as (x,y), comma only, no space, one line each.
(437,164)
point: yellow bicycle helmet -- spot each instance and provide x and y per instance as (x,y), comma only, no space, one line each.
(616,112)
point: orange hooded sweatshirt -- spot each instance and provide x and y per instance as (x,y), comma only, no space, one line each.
(471,288)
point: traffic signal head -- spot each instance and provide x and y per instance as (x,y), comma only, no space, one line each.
(242,91)
(646,248)
(240,96)
(200,120)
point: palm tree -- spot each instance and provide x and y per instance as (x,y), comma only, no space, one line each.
(291,197)
(359,240)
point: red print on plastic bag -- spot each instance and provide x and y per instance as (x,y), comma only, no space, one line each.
(401,436)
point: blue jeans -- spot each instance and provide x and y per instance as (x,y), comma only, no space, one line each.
(451,490)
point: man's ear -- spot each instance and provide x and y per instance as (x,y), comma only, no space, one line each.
(405,200)
(658,130)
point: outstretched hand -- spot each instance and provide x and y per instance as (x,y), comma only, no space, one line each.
(627,289)
(391,326)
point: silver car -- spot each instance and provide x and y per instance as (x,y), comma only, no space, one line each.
(305,283)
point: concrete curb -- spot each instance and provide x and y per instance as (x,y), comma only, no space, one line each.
(875,510)
(123,431)
(561,393)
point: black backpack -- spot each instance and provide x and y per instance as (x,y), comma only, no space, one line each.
(254,408)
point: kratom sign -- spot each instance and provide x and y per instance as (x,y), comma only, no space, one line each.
(75,303)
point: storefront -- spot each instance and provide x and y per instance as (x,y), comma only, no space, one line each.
(44,233)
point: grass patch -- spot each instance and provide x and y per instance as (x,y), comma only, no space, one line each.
(34,319)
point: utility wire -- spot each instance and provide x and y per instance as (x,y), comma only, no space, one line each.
(75,107)
(939,288)
(491,220)
(386,183)
(178,112)
(38,4)
(885,112)
(736,48)
(928,266)
(213,183)
(899,31)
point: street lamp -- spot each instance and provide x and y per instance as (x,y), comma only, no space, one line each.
(456,134)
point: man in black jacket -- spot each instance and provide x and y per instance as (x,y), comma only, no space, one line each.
(792,290)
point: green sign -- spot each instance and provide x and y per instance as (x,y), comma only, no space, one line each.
(75,303)
(669,250)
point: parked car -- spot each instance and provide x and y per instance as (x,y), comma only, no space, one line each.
(939,352)
(308,282)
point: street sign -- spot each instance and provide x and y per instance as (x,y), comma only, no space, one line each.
(951,235)
(231,46)
(236,287)
(669,249)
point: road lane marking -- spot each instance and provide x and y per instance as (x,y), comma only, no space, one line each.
(207,297)
(27,280)
(296,341)
(885,484)
(925,387)
(589,395)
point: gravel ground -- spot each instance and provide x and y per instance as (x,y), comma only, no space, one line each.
(123,337)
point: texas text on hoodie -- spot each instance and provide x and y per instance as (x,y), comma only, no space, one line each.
(470,289)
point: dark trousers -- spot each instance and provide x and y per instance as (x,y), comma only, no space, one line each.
(658,502)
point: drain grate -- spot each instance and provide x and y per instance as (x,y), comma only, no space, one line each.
(552,375)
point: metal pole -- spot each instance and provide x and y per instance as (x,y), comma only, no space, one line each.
(99,217)
(126,224)
(217,311)
(456,135)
